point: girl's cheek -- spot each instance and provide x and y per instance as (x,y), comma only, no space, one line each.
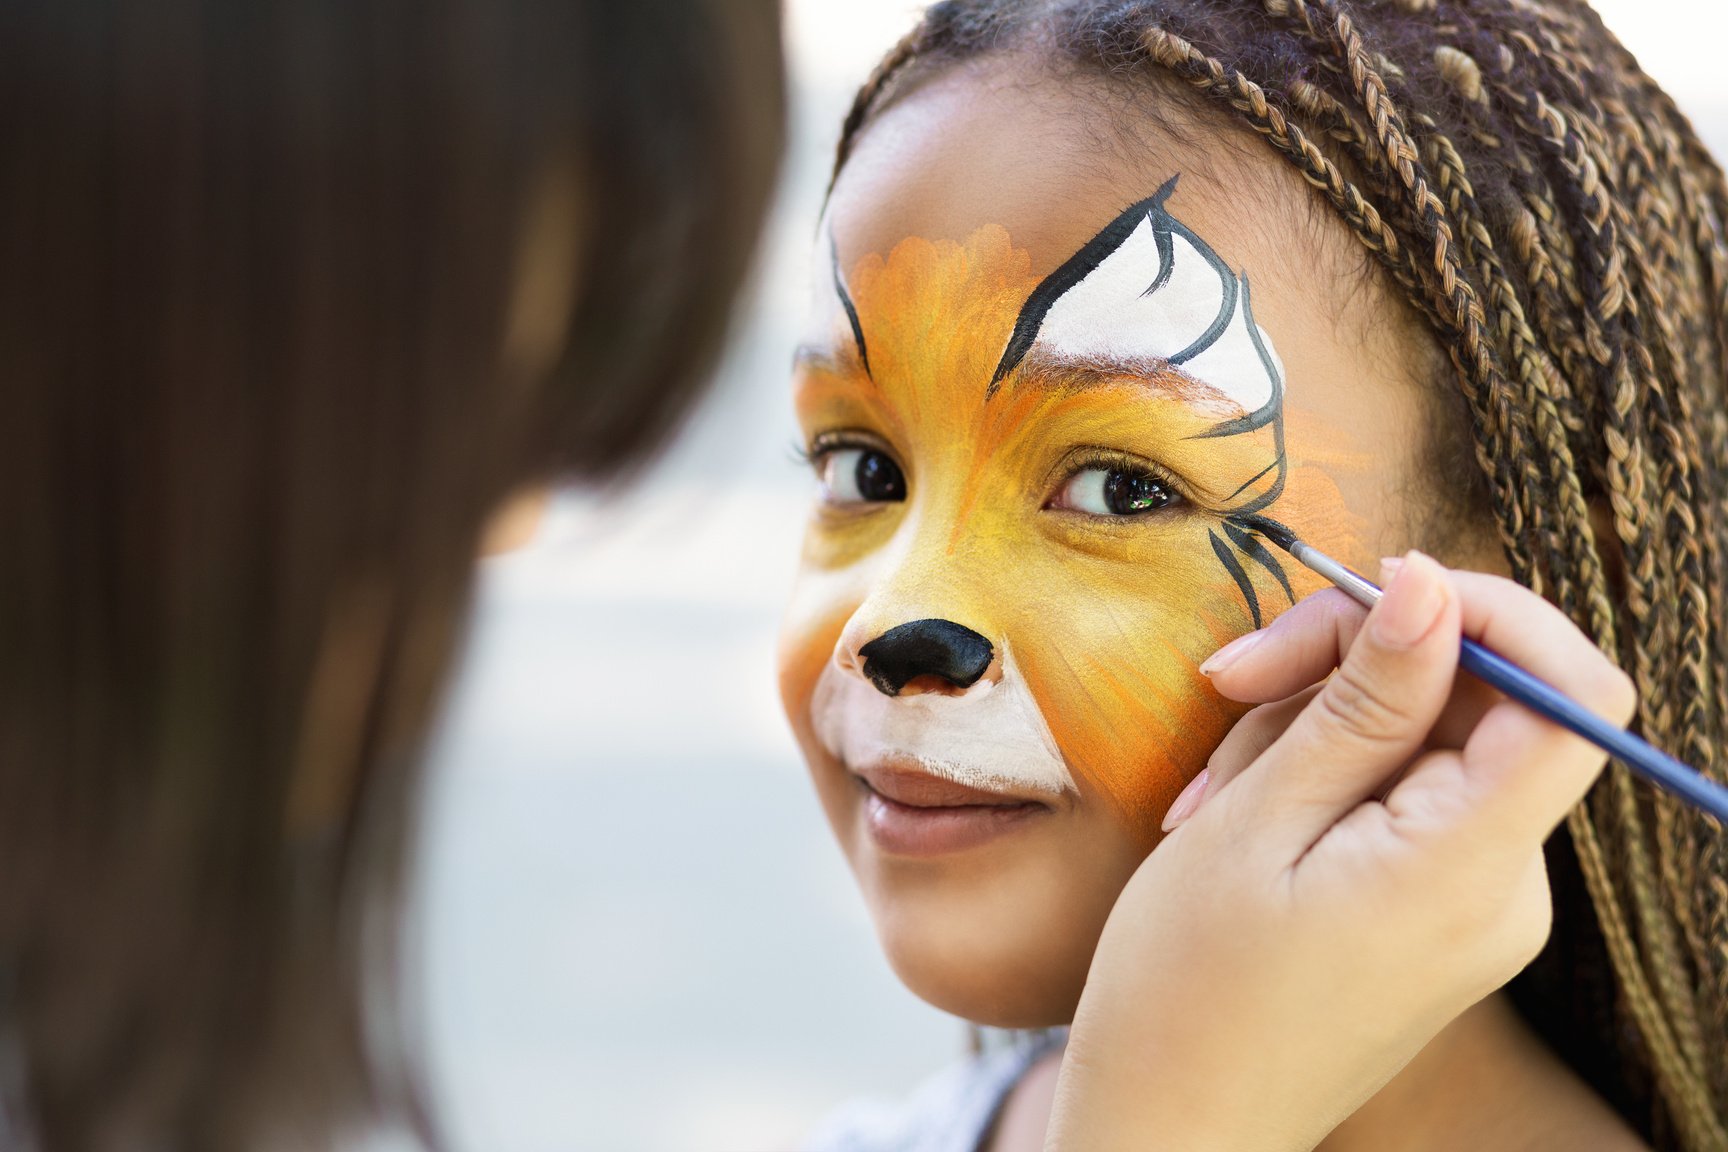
(1116,673)
(819,608)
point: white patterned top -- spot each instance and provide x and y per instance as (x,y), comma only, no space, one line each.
(953,1111)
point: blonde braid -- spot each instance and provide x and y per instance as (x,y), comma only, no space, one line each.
(1665,473)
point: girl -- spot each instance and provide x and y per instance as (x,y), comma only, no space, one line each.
(1099,286)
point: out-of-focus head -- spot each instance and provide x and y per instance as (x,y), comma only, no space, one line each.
(292,295)
(1100,283)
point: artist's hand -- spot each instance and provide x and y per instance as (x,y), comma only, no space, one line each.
(1362,863)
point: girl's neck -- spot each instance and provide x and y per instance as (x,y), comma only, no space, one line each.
(1485,1082)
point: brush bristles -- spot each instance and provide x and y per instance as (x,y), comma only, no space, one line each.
(1272,530)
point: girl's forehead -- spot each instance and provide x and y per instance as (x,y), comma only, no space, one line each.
(1040,159)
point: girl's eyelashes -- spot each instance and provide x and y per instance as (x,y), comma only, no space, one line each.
(853,474)
(1116,488)
(856,471)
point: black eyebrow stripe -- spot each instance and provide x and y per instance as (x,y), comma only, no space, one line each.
(1226,278)
(846,303)
(1274,413)
(1073,270)
(1252,480)
(1166,261)
(1267,498)
(1232,566)
(1259,552)
(1268,412)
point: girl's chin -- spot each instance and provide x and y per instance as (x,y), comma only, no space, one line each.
(1003,995)
(989,935)
(988,906)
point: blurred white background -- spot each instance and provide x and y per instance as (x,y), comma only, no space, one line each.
(636,932)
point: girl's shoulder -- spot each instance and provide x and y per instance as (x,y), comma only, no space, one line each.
(953,1111)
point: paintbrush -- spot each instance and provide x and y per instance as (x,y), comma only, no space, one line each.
(1529,690)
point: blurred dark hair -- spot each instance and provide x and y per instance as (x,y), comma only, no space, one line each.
(265,266)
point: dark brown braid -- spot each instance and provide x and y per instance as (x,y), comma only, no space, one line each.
(1554,218)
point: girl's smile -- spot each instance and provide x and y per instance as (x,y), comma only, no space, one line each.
(912,812)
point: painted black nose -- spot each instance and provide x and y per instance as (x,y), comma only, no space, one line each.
(938,648)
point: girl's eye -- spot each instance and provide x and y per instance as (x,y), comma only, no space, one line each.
(860,476)
(1115,492)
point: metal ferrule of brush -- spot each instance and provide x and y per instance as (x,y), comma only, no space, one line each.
(1357,587)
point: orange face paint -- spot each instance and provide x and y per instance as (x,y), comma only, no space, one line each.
(1022,410)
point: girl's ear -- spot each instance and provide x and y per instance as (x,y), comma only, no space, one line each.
(1608,547)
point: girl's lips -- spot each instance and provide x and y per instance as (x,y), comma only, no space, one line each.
(911,813)
(904,783)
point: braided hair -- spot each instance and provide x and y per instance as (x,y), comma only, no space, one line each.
(1552,216)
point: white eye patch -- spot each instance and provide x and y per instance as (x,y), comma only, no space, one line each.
(1148,288)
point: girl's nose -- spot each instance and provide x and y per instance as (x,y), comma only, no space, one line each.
(925,655)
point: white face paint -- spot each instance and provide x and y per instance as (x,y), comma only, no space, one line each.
(992,736)
(1148,289)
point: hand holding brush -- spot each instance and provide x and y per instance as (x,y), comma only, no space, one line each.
(1360,867)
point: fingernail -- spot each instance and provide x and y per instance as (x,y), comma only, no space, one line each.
(1188,801)
(1231,652)
(1413,603)
(1389,566)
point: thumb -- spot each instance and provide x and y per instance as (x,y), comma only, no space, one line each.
(1368,720)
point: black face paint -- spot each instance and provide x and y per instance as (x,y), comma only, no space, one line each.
(1234,567)
(940,648)
(1076,268)
(1258,551)
(846,303)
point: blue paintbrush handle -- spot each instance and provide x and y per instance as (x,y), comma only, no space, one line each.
(1532,692)
(1548,701)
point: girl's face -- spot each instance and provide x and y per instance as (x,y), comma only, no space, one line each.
(1047,388)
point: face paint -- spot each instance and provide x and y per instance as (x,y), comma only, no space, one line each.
(991,736)
(1083,454)
(1194,315)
